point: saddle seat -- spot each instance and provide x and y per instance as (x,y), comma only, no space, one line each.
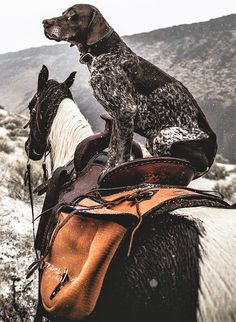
(152,170)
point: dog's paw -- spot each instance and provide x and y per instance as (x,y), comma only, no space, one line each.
(105,170)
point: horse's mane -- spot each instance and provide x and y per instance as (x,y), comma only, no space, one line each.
(69,128)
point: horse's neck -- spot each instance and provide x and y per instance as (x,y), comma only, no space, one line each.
(68,129)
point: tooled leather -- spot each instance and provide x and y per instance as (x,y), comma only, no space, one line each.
(149,170)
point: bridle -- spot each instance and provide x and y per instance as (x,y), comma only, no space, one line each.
(35,112)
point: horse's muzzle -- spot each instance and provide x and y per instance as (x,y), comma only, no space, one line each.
(32,153)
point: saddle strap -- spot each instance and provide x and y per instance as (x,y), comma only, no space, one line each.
(121,207)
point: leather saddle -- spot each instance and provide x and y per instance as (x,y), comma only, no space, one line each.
(83,174)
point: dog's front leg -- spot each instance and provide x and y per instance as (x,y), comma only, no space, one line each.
(112,150)
(120,142)
(125,132)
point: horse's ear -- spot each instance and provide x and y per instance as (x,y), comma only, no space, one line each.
(70,80)
(42,79)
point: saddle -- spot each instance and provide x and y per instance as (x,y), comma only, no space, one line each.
(86,216)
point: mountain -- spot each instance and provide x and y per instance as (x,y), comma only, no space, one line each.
(201,55)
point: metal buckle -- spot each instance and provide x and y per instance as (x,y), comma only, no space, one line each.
(64,278)
(86,58)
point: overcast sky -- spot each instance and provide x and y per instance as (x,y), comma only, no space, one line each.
(21,20)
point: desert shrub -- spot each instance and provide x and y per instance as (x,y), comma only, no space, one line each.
(22,132)
(226,190)
(219,158)
(11,120)
(16,182)
(12,135)
(10,126)
(19,304)
(216,172)
(20,144)
(233,170)
(6,147)
(17,294)
(16,121)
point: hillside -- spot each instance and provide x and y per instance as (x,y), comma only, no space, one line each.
(201,55)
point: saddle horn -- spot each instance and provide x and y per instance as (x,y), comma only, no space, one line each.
(97,143)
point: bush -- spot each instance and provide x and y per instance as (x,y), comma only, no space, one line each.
(219,158)
(18,295)
(22,132)
(226,190)
(11,120)
(233,170)
(16,185)
(216,172)
(10,126)
(12,135)
(6,146)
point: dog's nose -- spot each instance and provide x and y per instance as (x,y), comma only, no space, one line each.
(45,22)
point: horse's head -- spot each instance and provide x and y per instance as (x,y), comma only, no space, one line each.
(43,108)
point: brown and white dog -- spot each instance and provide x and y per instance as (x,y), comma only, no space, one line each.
(137,94)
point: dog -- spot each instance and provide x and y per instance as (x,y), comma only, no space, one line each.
(138,95)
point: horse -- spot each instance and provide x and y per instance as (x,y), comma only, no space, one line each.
(57,114)
(182,265)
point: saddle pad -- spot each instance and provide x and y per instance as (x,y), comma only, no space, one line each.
(87,237)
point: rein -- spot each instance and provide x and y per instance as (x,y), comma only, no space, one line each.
(35,111)
(28,181)
(28,174)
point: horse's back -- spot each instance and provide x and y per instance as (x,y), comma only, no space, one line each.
(218,262)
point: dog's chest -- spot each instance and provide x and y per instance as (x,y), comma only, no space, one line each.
(109,81)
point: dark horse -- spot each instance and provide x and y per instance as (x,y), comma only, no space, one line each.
(182,265)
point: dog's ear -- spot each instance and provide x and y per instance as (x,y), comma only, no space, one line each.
(98,28)
(42,79)
(70,80)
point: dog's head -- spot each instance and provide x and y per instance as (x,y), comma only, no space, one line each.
(80,24)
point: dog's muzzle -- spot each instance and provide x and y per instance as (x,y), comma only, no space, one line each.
(51,30)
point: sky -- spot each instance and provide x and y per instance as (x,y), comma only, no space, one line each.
(21,20)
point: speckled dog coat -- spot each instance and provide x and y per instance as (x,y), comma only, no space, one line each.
(143,99)
(138,95)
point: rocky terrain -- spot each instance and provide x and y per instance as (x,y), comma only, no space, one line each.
(201,55)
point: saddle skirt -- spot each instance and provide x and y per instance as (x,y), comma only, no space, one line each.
(88,233)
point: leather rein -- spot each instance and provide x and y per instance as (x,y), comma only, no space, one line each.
(28,175)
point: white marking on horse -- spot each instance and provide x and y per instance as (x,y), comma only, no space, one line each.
(68,129)
(217,301)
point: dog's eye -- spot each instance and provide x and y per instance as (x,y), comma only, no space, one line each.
(73,17)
